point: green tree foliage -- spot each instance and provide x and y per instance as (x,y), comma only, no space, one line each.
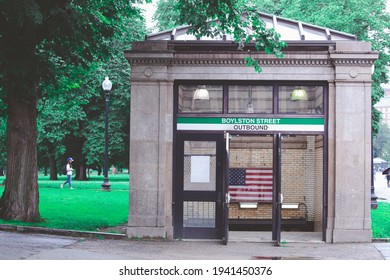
(166,16)
(41,45)
(367,19)
(59,116)
(3,126)
(382,143)
(217,17)
(75,125)
(3,153)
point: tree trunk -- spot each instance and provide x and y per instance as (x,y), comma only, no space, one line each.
(99,170)
(21,198)
(81,172)
(53,167)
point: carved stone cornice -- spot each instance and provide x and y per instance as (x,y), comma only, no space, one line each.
(353,58)
(227,61)
(238,59)
(353,62)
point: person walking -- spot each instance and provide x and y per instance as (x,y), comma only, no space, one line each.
(387,173)
(69,171)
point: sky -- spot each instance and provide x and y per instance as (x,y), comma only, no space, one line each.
(149,11)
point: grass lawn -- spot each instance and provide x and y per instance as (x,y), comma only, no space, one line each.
(381,220)
(86,207)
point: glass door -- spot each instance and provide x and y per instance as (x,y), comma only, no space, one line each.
(252,185)
(276,186)
(301,187)
(198,197)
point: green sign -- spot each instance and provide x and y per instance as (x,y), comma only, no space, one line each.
(250,124)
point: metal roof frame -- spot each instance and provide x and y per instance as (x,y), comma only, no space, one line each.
(291,31)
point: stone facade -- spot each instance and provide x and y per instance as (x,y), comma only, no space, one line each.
(345,65)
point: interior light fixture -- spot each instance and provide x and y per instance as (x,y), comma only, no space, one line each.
(249,106)
(299,94)
(201,93)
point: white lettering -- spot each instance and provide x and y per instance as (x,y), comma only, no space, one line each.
(238,121)
(247,127)
(267,121)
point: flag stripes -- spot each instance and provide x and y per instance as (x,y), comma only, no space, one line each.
(250,184)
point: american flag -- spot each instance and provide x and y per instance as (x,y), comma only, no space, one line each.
(250,184)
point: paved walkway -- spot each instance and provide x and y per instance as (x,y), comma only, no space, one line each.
(381,189)
(20,246)
(105,258)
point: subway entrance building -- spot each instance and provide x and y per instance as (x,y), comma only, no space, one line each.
(216,147)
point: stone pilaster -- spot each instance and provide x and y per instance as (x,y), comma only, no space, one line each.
(350,203)
(150,212)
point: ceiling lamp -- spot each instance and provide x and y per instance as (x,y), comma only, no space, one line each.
(249,106)
(299,94)
(201,93)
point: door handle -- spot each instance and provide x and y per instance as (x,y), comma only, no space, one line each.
(227,198)
(281,198)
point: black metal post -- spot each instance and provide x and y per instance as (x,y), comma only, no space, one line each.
(374,202)
(106,184)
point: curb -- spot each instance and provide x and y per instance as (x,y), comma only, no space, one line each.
(95,234)
(381,240)
(63,232)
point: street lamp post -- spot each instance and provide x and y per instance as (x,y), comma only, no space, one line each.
(374,202)
(107,85)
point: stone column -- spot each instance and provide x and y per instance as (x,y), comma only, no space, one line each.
(352,145)
(331,162)
(150,150)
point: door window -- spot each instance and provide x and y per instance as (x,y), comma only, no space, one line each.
(199,214)
(199,165)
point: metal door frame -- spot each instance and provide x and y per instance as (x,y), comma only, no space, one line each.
(179,195)
(225,193)
(277,198)
(278,194)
